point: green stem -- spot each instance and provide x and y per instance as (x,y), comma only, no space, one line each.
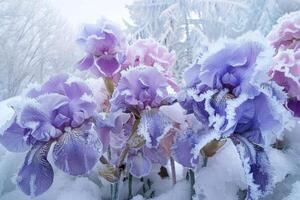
(115,191)
(144,188)
(109,84)
(130,186)
(205,159)
(173,171)
(192,182)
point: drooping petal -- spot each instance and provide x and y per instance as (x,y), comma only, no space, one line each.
(153,126)
(294,106)
(36,175)
(77,151)
(156,155)
(104,137)
(140,166)
(108,65)
(183,148)
(13,138)
(256,165)
(86,63)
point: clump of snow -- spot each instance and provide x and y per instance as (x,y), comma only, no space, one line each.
(223,176)
(295,194)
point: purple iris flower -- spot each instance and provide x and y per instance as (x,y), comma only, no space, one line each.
(136,125)
(140,88)
(105,45)
(59,113)
(229,93)
(142,151)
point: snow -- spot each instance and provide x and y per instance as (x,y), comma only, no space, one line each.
(295,194)
(222,178)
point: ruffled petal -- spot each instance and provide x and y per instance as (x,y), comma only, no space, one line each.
(81,110)
(36,175)
(45,132)
(31,116)
(140,166)
(153,126)
(77,151)
(76,89)
(256,165)
(51,102)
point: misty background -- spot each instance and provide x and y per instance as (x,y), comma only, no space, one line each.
(37,37)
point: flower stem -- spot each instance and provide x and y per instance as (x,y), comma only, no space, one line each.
(109,84)
(192,182)
(173,171)
(130,186)
(115,191)
(205,159)
(127,147)
(144,187)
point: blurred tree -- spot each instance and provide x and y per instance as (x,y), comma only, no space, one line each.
(35,42)
(186,26)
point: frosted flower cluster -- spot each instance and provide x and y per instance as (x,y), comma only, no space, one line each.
(285,38)
(134,117)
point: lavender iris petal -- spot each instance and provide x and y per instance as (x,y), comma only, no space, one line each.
(14,138)
(36,174)
(86,63)
(140,165)
(153,126)
(183,147)
(77,151)
(256,165)
(294,106)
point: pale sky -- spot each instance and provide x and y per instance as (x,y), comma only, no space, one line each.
(88,11)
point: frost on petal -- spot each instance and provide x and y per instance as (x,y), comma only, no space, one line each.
(140,166)
(36,174)
(153,126)
(256,165)
(33,117)
(77,151)
(14,138)
(44,132)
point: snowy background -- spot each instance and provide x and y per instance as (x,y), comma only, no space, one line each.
(37,40)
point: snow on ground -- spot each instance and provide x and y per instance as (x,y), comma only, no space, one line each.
(295,194)
(221,179)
